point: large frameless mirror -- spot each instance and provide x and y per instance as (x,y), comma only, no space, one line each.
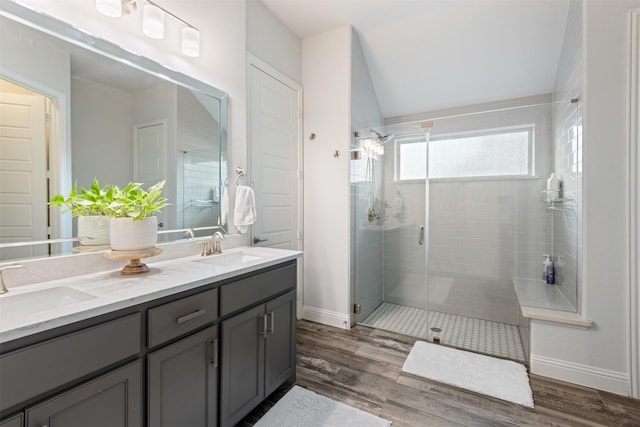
(74,107)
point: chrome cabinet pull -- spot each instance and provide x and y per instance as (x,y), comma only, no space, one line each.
(264,325)
(215,353)
(421,235)
(191,316)
(272,323)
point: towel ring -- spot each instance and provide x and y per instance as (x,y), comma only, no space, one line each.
(241,173)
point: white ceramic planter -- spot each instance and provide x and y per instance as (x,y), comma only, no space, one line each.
(93,230)
(129,235)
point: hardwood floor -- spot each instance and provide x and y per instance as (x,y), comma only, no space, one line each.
(362,368)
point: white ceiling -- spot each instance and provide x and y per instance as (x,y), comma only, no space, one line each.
(426,55)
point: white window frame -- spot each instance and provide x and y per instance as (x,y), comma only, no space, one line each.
(529,128)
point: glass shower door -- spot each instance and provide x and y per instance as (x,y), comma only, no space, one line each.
(390,247)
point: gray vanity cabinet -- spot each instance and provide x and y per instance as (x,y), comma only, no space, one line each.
(183,381)
(280,345)
(111,400)
(258,355)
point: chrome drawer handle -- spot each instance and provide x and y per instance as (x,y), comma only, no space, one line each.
(264,325)
(271,328)
(191,316)
(215,353)
(421,235)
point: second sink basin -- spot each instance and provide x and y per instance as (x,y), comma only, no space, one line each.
(230,259)
(29,303)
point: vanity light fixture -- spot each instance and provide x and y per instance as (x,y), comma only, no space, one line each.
(191,41)
(153,21)
(111,8)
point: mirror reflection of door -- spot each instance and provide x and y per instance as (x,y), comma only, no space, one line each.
(23,170)
(274,160)
(150,163)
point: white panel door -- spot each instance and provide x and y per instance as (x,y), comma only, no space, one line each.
(149,157)
(273,114)
(23,173)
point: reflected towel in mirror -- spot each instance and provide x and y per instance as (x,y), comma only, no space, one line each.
(244,213)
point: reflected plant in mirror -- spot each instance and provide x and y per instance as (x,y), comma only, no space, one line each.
(90,207)
(97,111)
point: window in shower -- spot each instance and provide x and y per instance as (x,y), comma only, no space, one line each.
(506,152)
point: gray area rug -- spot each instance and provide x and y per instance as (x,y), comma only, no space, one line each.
(304,408)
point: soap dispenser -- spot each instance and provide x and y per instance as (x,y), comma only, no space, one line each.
(553,188)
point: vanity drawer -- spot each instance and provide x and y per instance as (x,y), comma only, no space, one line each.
(180,317)
(36,369)
(245,292)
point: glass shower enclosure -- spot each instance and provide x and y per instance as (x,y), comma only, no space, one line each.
(450,224)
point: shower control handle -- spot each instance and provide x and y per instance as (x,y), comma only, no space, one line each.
(421,235)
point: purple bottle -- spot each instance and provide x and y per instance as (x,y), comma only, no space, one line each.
(550,274)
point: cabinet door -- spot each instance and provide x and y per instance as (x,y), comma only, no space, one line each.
(242,383)
(12,422)
(280,352)
(183,381)
(112,400)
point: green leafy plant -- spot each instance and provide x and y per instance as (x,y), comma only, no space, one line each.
(92,201)
(135,202)
(132,201)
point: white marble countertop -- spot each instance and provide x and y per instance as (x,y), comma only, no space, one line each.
(56,303)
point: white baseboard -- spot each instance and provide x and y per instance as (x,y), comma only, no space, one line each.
(588,376)
(326,317)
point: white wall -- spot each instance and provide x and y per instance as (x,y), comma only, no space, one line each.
(271,41)
(101,130)
(598,357)
(326,76)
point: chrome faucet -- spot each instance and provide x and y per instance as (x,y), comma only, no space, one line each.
(3,288)
(213,246)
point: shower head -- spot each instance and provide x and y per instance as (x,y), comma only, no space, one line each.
(383,139)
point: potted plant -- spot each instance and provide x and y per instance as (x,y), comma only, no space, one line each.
(89,206)
(133,225)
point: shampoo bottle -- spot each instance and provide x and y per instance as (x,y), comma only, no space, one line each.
(546,260)
(550,273)
(553,188)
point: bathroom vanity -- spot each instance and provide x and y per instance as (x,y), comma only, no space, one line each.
(201,352)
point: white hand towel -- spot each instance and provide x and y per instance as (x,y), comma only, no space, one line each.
(244,213)
(224,205)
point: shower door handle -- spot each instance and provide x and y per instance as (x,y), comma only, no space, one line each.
(421,235)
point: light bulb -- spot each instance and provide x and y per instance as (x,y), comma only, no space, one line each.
(191,41)
(111,8)
(153,21)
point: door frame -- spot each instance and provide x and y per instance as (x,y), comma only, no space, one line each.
(59,151)
(634,203)
(253,61)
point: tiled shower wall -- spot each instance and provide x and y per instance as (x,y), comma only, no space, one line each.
(567,221)
(198,162)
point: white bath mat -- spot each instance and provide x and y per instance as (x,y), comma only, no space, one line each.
(499,378)
(304,408)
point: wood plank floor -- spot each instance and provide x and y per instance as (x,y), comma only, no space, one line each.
(362,368)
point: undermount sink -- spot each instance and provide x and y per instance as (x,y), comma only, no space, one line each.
(229,259)
(30,303)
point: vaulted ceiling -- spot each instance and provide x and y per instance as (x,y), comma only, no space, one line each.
(426,55)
